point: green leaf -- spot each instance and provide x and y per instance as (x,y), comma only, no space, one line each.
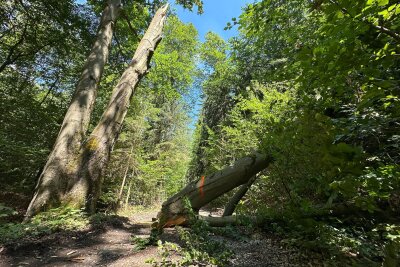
(383,2)
(385,14)
(370,2)
(379,2)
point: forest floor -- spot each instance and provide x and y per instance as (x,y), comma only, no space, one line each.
(111,244)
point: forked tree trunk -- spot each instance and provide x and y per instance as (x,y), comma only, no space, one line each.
(95,153)
(55,180)
(234,201)
(174,210)
(72,174)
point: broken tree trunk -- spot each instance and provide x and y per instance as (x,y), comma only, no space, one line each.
(231,206)
(174,210)
(55,179)
(95,153)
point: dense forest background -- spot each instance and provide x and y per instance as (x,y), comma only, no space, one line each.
(315,85)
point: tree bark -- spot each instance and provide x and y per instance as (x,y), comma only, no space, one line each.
(174,210)
(121,190)
(55,180)
(128,193)
(231,206)
(230,220)
(96,151)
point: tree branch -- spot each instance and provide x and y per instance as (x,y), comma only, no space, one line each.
(129,24)
(380,28)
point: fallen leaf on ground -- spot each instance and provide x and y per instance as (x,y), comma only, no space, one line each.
(71,252)
(77,259)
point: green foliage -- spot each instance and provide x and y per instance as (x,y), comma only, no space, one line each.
(198,246)
(189,4)
(216,83)
(318,91)
(230,231)
(153,147)
(63,218)
(143,243)
(166,250)
(6,211)
(314,84)
(349,241)
(173,63)
(213,50)
(333,65)
(392,255)
(43,46)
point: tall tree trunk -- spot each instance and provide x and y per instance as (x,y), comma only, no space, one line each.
(121,190)
(95,153)
(128,194)
(174,210)
(231,206)
(55,180)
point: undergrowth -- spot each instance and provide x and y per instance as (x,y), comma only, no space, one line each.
(355,242)
(59,219)
(142,243)
(197,246)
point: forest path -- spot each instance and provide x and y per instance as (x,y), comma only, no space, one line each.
(110,244)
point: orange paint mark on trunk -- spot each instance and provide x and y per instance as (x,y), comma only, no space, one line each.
(175,221)
(201,185)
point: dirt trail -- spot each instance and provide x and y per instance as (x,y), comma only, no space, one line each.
(111,245)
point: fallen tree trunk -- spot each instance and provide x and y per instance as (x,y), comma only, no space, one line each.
(321,213)
(234,220)
(229,220)
(175,211)
(231,206)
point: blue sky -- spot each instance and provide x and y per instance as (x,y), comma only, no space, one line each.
(217,13)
